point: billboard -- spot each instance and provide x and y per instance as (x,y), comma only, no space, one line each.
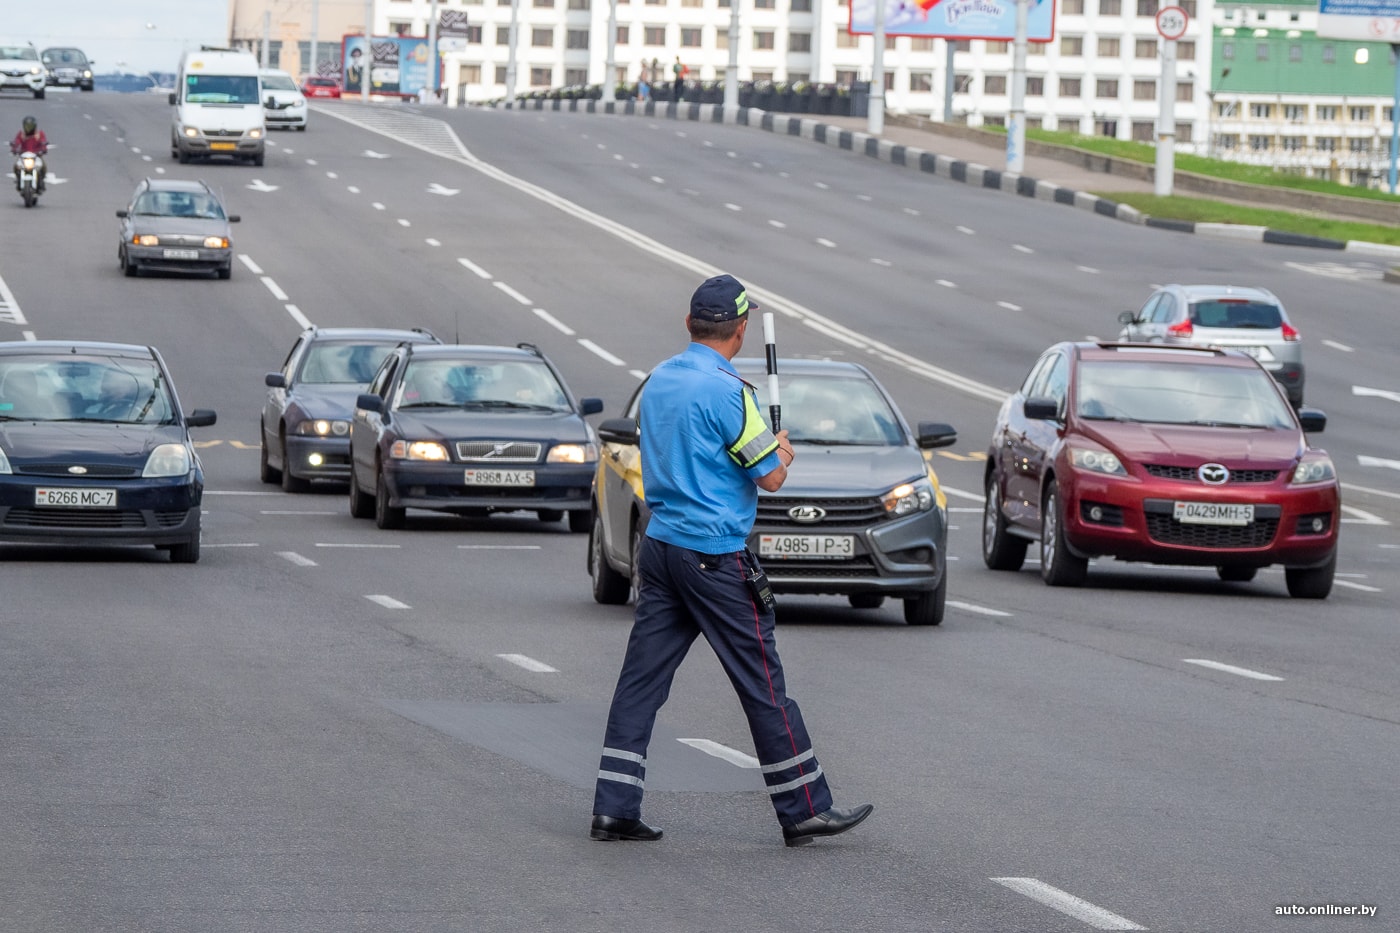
(1366,20)
(398,65)
(955,19)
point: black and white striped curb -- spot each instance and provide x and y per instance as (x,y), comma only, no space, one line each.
(932,163)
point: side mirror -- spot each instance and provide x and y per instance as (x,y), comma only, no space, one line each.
(619,431)
(1041,408)
(1312,420)
(121,214)
(200,418)
(590,406)
(369,402)
(936,434)
(1128,317)
(173,98)
(270,103)
(234,218)
(275,381)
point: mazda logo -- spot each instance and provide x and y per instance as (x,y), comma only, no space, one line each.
(806,513)
(1213,474)
(77,469)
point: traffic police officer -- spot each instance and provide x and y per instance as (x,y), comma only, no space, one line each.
(705,453)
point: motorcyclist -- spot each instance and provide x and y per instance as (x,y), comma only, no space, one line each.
(31,139)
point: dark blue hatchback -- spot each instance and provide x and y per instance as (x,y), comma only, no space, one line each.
(94,449)
(471,430)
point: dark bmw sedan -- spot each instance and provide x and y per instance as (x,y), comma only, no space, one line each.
(305,424)
(471,430)
(861,515)
(94,449)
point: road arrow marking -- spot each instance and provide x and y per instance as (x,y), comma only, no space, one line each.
(257,184)
(55,180)
(436,188)
(1375,393)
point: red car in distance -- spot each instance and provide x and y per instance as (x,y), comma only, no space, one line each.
(320,87)
(1167,455)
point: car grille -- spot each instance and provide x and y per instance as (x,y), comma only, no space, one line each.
(498,451)
(857,568)
(1188,474)
(855,512)
(98,470)
(93,518)
(1163,528)
(177,239)
(222,132)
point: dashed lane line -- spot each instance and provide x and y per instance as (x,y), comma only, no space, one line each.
(723,752)
(978,610)
(1068,904)
(474,268)
(388,602)
(295,558)
(529,663)
(1231,669)
(600,352)
(512,292)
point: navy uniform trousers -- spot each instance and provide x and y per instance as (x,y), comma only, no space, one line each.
(683,594)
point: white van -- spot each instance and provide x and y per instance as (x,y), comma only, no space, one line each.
(218,107)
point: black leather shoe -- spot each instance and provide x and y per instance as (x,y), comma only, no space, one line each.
(611,828)
(830,823)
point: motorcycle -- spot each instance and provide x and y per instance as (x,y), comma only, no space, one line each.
(29,167)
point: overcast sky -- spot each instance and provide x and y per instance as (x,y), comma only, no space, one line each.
(120,35)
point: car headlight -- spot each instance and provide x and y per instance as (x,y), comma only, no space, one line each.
(908,498)
(146,239)
(1096,461)
(255,133)
(324,427)
(4,463)
(1315,470)
(168,460)
(87,74)
(35,70)
(216,242)
(573,453)
(190,131)
(418,450)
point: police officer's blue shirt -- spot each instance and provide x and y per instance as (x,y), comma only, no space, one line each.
(693,410)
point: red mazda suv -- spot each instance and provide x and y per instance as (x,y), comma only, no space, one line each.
(1159,454)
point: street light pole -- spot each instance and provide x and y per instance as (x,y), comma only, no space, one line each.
(1166,123)
(367,65)
(1395,118)
(433,63)
(315,31)
(610,64)
(510,53)
(1016,126)
(731,70)
(875,118)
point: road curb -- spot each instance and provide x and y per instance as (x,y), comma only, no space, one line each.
(931,163)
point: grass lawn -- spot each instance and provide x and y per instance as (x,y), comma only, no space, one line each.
(1200,210)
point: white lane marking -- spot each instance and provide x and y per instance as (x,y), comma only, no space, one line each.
(881,262)
(658,179)
(241,492)
(512,293)
(296,558)
(404,223)
(144,158)
(1369,491)
(1377,462)
(777,223)
(822,185)
(617,157)
(1365,588)
(28,335)
(376,205)
(332,175)
(633,165)
(352,189)
(963,494)
(823,241)
(732,207)
(257,184)
(435,188)
(237,544)
(1367,392)
(297,316)
(554,322)
(967,230)
(273,287)
(371,154)
(357,546)
(590,345)
(861,197)
(1022,249)
(1067,903)
(1231,669)
(1008,306)
(433,242)
(310,161)
(9,307)
(731,755)
(1362,517)
(136,149)
(732,154)
(946,284)
(388,602)
(691,192)
(601,146)
(635,372)
(499,547)
(160,169)
(911,212)
(1089,269)
(248,261)
(468,264)
(298,512)
(529,663)
(978,610)
(1337,346)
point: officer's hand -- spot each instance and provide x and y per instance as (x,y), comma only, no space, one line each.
(784,446)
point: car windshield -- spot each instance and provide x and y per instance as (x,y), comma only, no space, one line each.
(321,82)
(178,204)
(1179,393)
(481,384)
(833,410)
(278,82)
(221,89)
(343,363)
(1236,312)
(18,52)
(64,57)
(83,388)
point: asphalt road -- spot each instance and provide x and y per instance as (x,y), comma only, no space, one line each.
(323,726)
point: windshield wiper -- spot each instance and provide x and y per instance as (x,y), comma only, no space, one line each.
(828,442)
(427,405)
(1209,423)
(504,403)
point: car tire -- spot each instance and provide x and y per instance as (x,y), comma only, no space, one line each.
(550,515)
(580,521)
(610,588)
(1311,582)
(361,502)
(1236,573)
(225,272)
(128,267)
(183,156)
(1058,567)
(186,552)
(866,600)
(291,483)
(302,128)
(927,608)
(38,95)
(1000,549)
(385,515)
(258,159)
(266,472)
